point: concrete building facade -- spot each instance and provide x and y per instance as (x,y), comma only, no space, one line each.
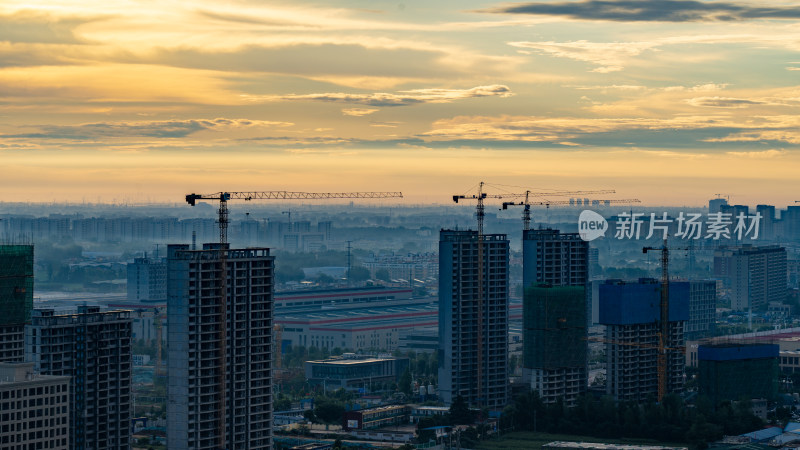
(631,313)
(214,379)
(473,319)
(34,408)
(94,348)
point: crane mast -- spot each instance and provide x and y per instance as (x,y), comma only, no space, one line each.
(223,198)
(663,332)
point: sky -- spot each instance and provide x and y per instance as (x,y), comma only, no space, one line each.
(668,101)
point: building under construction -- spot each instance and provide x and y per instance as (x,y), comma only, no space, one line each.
(733,371)
(554,321)
(220,360)
(632,315)
(555,345)
(16,299)
(473,318)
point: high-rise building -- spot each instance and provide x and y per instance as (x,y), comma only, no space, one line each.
(702,309)
(34,408)
(16,299)
(219,386)
(147,280)
(631,313)
(731,371)
(755,276)
(555,258)
(94,348)
(473,318)
(715,204)
(767,225)
(551,260)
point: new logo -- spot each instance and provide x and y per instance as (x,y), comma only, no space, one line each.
(591,225)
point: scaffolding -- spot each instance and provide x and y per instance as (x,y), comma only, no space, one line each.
(16,284)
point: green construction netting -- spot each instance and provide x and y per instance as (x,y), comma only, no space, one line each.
(554,322)
(16,284)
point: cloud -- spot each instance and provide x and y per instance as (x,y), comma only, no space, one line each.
(150,129)
(676,132)
(401,98)
(723,102)
(608,55)
(765,154)
(359,112)
(651,10)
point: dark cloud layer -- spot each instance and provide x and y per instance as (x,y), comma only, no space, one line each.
(155,129)
(652,10)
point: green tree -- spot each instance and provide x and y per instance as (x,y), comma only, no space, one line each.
(358,273)
(460,414)
(383,275)
(328,410)
(405,382)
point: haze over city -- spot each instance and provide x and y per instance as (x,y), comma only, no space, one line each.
(669,101)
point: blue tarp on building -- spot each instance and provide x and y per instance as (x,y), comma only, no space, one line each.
(733,352)
(622,303)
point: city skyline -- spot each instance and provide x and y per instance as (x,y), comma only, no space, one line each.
(150,101)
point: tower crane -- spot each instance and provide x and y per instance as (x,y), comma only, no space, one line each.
(223,198)
(526,212)
(480,214)
(663,332)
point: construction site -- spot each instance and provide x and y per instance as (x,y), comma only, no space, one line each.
(16,298)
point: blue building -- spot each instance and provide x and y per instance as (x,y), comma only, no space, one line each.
(732,371)
(631,312)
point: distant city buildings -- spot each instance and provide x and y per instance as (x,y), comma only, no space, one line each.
(92,347)
(220,362)
(34,408)
(555,276)
(147,280)
(631,313)
(417,266)
(754,276)
(16,299)
(473,318)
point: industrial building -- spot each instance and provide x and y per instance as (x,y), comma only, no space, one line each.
(339,297)
(16,299)
(732,371)
(631,313)
(473,318)
(554,354)
(371,418)
(754,276)
(219,386)
(34,408)
(555,314)
(94,348)
(354,373)
(147,280)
